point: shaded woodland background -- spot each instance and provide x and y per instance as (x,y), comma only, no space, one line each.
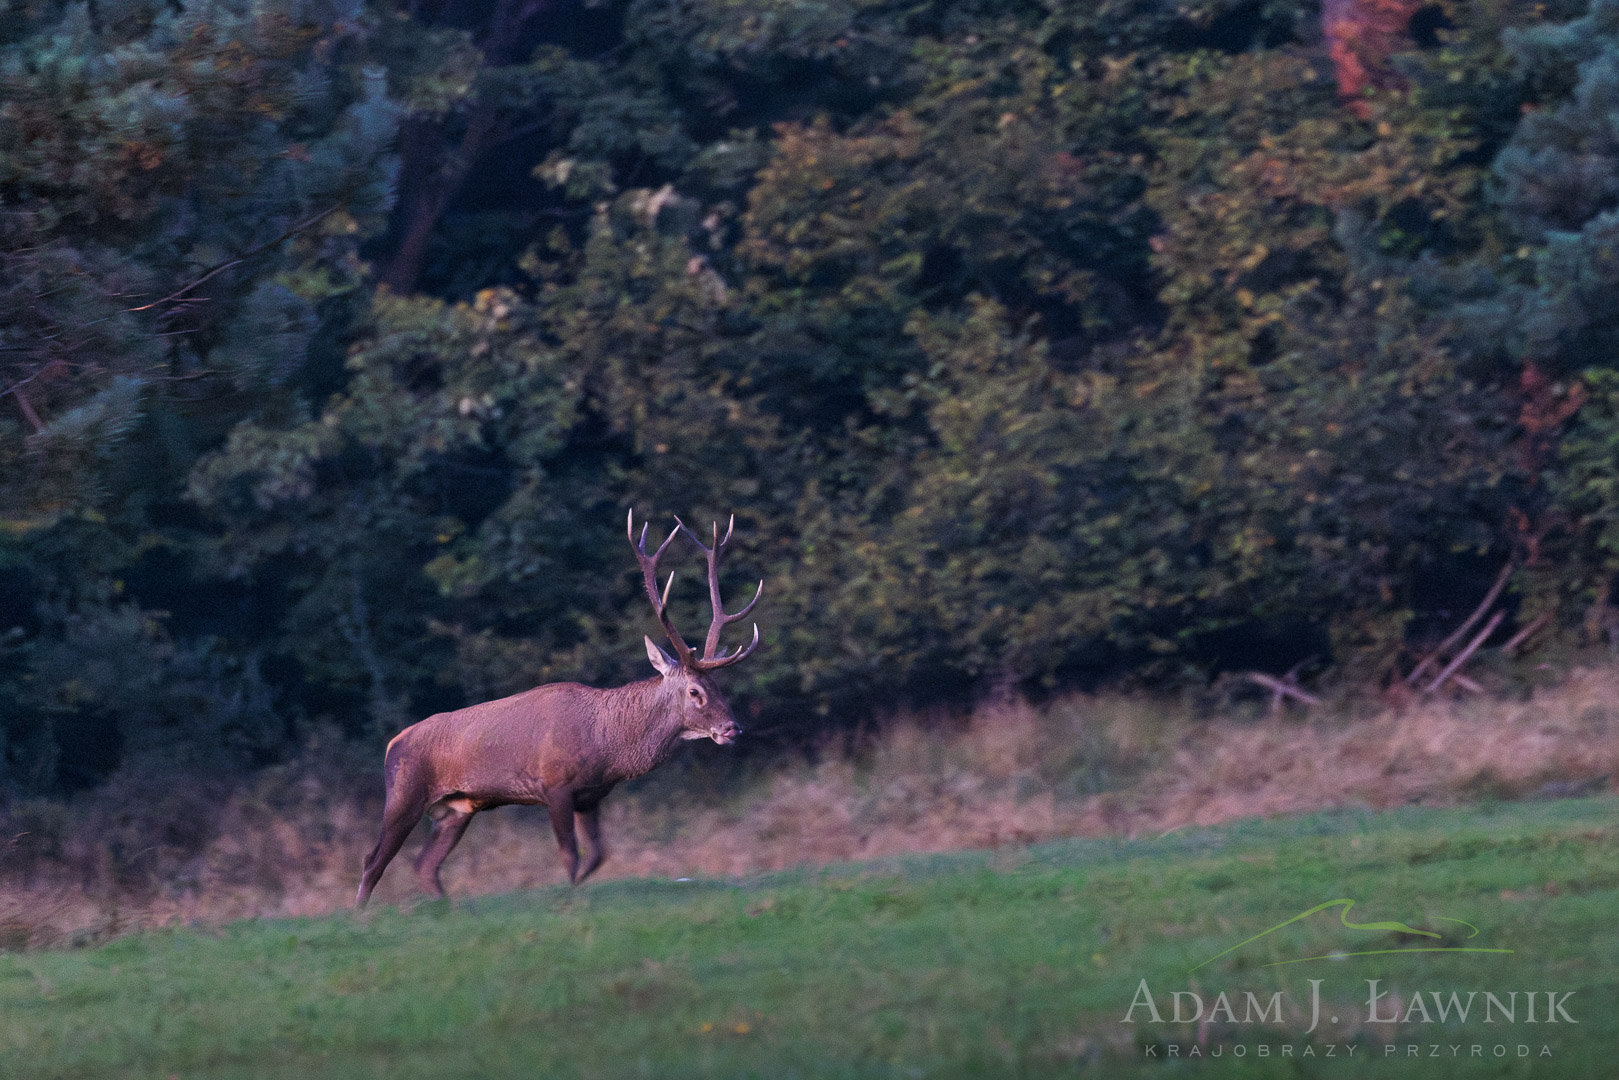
(1037,346)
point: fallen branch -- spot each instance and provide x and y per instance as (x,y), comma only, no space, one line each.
(1461,631)
(1461,657)
(1526,633)
(1282,689)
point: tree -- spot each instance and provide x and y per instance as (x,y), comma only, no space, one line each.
(181,192)
(1031,343)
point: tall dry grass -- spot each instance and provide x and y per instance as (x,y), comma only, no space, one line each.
(152,849)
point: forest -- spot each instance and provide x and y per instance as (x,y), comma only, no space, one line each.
(1035,345)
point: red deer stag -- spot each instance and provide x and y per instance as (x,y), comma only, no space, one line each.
(562,745)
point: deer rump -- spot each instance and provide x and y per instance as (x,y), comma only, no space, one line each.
(561,745)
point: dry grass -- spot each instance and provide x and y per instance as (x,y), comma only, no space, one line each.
(150,850)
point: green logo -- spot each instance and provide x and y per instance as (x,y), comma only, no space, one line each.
(1343,917)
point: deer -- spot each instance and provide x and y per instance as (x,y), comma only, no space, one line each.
(561,745)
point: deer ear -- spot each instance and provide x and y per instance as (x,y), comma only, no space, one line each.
(661,660)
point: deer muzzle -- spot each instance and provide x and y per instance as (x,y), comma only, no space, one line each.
(725,732)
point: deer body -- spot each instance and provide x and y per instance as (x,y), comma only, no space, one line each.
(562,736)
(563,745)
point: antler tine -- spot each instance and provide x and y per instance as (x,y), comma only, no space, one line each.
(649,578)
(711,647)
(640,548)
(719,541)
(713,656)
(760,591)
(727,660)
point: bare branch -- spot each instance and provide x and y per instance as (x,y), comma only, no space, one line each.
(179,295)
(1534,627)
(1461,631)
(26,407)
(1461,657)
(22,401)
(1284,689)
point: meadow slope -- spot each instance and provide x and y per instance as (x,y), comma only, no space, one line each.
(158,849)
(995,964)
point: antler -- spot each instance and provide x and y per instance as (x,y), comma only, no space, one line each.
(660,603)
(713,657)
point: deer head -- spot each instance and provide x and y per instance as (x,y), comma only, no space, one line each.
(704,714)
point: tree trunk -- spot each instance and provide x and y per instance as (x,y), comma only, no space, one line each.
(434,175)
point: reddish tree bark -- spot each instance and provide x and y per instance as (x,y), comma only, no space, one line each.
(432,181)
(1361,35)
(434,170)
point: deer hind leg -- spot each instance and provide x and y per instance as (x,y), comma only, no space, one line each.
(399,816)
(589,822)
(446,834)
(560,804)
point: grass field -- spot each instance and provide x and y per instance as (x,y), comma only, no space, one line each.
(1013,963)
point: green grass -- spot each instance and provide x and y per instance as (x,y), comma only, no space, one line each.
(974,964)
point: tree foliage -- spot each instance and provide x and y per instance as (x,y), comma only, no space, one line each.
(1029,343)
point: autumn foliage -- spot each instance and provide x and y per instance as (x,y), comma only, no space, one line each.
(1036,348)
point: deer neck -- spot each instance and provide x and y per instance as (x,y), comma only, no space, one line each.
(648,726)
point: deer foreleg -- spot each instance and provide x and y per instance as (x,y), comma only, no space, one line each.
(560,804)
(590,822)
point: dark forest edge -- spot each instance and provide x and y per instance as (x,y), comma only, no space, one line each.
(1037,346)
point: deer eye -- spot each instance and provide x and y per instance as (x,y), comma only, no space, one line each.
(694,693)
